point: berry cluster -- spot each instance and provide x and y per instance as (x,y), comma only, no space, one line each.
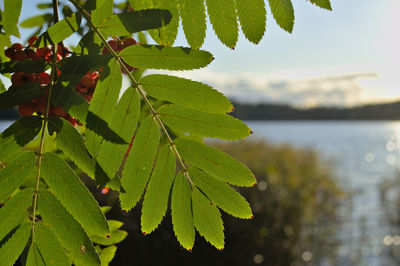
(118,46)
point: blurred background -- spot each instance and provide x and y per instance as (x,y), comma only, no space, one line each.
(324,106)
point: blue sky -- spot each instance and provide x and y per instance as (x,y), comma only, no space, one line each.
(344,57)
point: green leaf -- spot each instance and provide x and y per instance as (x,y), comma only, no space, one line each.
(132,22)
(221,126)
(124,123)
(61,30)
(116,236)
(104,10)
(36,21)
(21,94)
(18,135)
(67,230)
(49,247)
(193,13)
(283,12)
(12,10)
(207,219)
(223,18)
(73,194)
(139,163)
(326,4)
(155,201)
(70,141)
(215,162)
(221,194)
(165,35)
(28,66)
(14,174)
(160,57)
(186,92)
(107,254)
(252,17)
(44,5)
(11,250)
(103,104)
(181,212)
(14,211)
(34,257)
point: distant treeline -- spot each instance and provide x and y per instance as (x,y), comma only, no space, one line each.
(388,111)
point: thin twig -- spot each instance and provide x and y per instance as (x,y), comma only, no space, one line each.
(139,88)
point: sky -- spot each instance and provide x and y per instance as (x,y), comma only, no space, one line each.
(348,56)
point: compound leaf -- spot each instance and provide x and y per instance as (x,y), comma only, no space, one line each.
(181,212)
(223,18)
(207,219)
(161,57)
(186,92)
(221,194)
(139,163)
(221,126)
(215,162)
(193,13)
(252,17)
(10,251)
(283,13)
(155,201)
(73,194)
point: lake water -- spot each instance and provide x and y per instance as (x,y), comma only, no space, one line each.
(365,154)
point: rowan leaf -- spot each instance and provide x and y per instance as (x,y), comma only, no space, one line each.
(283,13)
(186,92)
(49,247)
(155,201)
(124,124)
(12,10)
(10,251)
(67,230)
(223,18)
(221,194)
(18,135)
(28,66)
(73,194)
(252,17)
(139,163)
(107,254)
(103,104)
(34,257)
(221,126)
(161,57)
(326,4)
(193,14)
(215,162)
(207,219)
(103,10)
(20,94)
(116,236)
(14,211)
(70,141)
(14,174)
(181,212)
(61,30)
(132,22)
(36,21)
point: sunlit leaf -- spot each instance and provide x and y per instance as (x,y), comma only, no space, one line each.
(34,257)
(215,162)
(221,126)
(221,194)
(10,251)
(207,219)
(326,4)
(161,57)
(283,13)
(181,212)
(186,92)
(36,21)
(14,174)
(252,17)
(73,194)
(139,163)
(12,9)
(103,10)
(193,13)
(61,30)
(155,201)
(107,254)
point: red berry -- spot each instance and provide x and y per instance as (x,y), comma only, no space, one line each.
(9,52)
(72,120)
(17,47)
(88,97)
(32,40)
(19,55)
(128,42)
(87,82)
(40,100)
(29,77)
(59,111)
(17,78)
(43,78)
(25,109)
(42,52)
(30,54)
(114,46)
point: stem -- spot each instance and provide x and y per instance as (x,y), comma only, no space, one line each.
(45,122)
(139,89)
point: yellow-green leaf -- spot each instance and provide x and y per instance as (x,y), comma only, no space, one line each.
(193,13)
(10,251)
(252,18)
(283,13)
